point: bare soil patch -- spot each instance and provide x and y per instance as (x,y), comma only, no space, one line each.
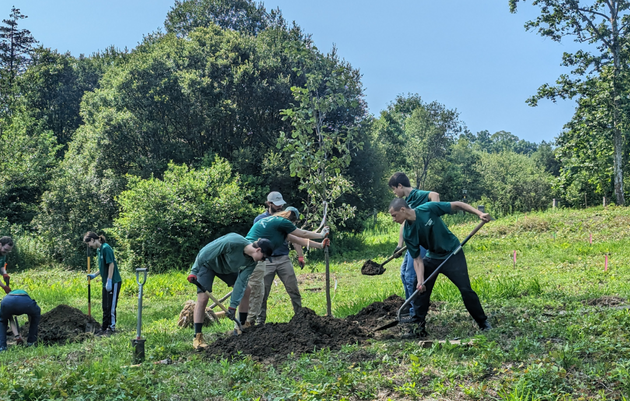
(605,301)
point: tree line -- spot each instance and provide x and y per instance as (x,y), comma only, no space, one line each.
(167,146)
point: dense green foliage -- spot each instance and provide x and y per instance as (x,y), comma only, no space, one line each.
(163,223)
(560,322)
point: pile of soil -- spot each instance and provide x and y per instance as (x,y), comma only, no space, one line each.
(306,332)
(63,324)
(371,268)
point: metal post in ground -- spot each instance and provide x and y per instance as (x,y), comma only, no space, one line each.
(138,342)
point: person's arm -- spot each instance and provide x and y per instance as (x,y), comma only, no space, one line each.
(305,242)
(300,255)
(434,197)
(455,206)
(308,234)
(240,286)
(418,266)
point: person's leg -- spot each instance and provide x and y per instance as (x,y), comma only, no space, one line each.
(456,269)
(206,279)
(105,308)
(34,313)
(286,273)
(4,320)
(270,274)
(257,292)
(422,301)
(408,276)
(115,295)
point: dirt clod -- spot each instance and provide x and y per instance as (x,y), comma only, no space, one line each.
(605,301)
(371,268)
(63,324)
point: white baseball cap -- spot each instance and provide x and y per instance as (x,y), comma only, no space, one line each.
(275,198)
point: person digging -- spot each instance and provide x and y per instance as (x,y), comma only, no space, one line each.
(15,303)
(401,186)
(232,258)
(423,226)
(279,229)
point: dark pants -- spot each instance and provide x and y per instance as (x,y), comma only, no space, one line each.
(110,302)
(456,270)
(14,305)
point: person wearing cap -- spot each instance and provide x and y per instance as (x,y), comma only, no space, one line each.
(274,204)
(280,229)
(232,258)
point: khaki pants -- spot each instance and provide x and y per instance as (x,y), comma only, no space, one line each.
(281,266)
(257,294)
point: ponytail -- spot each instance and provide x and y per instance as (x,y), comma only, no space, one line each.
(90,235)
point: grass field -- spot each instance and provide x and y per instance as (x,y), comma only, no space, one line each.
(561,329)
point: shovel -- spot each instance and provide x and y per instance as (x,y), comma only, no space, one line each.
(216,301)
(371,268)
(138,342)
(435,272)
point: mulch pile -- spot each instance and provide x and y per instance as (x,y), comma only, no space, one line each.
(306,332)
(63,324)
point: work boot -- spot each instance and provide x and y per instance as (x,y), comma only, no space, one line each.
(485,325)
(199,343)
(415,330)
(260,321)
(405,311)
(248,324)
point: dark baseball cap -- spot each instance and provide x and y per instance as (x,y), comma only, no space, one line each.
(265,246)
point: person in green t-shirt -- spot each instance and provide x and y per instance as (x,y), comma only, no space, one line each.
(232,258)
(401,186)
(108,270)
(6,246)
(423,226)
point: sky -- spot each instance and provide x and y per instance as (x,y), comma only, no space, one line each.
(473,56)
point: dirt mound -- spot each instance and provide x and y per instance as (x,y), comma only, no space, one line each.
(371,268)
(605,301)
(62,325)
(378,313)
(306,332)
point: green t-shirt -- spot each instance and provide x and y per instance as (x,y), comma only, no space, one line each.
(3,260)
(417,197)
(274,228)
(224,255)
(430,232)
(105,256)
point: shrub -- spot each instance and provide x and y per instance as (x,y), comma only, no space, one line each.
(164,223)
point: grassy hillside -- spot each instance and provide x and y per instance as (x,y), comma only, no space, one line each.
(561,328)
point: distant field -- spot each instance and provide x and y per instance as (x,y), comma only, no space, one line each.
(561,326)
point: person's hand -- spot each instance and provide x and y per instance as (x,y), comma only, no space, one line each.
(485,217)
(231,313)
(92,276)
(325,243)
(19,340)
(325,231)
(301,262)
(108,285)
(397,252)
(191,278)
(421,287)
(6,278)
(6,288)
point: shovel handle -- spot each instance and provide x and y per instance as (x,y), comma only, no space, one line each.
(138,271)
(436,271)
(216,301)
(394,255)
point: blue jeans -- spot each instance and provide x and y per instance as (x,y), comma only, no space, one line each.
(13,305)
(408,276)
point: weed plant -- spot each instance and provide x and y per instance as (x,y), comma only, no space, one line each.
(560,326)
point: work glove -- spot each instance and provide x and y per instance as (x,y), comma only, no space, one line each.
(325,231)
(301,262)
(231,313)
(191,278)
(108,285)
(92,276)
(325,242)
(6,278)
(397,252)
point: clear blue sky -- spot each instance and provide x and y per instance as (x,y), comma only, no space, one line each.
(473,56)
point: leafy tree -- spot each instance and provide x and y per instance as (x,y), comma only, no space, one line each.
(15,48)
(603,25)
(245,16)
(164,223)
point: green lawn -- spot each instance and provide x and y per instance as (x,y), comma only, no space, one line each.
(555,337)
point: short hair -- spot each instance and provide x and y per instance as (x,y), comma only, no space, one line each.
(399,178)
(90,235)
(6,240)
(397,204)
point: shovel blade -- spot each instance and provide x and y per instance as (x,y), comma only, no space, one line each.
(387,325)
(371,268)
